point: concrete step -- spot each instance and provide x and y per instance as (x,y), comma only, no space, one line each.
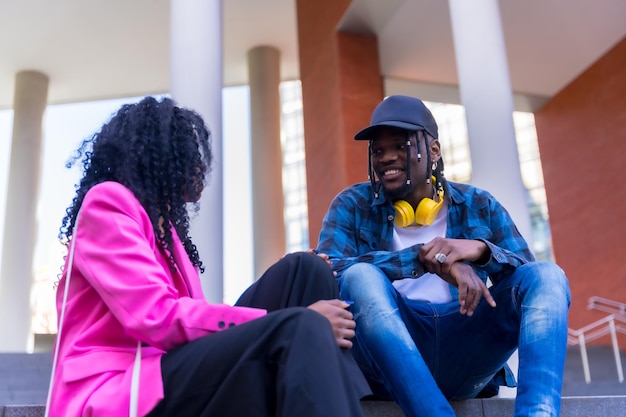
(24,379)
(22,411)
(604,406)
(607,406)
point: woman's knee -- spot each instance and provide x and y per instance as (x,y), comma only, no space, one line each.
(302,257)
(314,264)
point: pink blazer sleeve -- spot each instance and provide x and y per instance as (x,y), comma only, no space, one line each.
(117,253)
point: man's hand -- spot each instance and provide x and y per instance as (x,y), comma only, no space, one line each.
(452,269)
(340,319)
(323,256)
(455,250)
(470,286)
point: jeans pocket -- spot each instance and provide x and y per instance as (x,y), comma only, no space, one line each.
(472,386)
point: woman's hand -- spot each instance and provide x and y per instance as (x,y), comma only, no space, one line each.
(323,256)
(341,320)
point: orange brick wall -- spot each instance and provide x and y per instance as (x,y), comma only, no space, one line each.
(341,85)
(582,140)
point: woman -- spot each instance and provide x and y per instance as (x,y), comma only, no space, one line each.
(134,294)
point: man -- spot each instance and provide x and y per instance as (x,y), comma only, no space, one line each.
(414,251)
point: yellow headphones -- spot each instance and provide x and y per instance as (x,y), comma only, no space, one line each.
(424,214)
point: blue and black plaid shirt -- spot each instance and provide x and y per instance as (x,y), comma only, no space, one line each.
(359,228)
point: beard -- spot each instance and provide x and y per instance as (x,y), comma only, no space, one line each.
(397,193)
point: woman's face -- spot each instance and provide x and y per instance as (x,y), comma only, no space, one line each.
(201,160)
(195,185)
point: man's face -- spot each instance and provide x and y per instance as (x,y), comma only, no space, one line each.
(389,161)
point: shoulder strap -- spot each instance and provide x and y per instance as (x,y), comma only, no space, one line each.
(134,385)
(63,304)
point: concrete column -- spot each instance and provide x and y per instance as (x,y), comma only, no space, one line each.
(488,99)
(196,38)
(16,276)
(486,94)
(267,163)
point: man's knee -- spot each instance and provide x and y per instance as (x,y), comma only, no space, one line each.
(547,279)
(550,275)
(359,273)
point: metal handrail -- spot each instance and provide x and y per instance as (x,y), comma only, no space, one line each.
(595,324)
(606,305)
(599,328)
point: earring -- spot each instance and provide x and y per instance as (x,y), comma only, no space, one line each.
(434,166)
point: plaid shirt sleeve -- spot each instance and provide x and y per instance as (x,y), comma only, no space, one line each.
(355,230)
(476,214)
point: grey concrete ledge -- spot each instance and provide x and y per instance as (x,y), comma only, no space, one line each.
(605,406)
(22,411)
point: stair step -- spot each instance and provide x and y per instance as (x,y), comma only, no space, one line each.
(605,406)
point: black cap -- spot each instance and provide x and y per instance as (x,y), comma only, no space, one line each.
(401,111)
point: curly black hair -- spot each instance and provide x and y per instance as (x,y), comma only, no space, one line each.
(162,153)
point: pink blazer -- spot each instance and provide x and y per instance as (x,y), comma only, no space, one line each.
(122,290)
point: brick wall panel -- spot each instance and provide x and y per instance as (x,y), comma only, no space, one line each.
(582,140)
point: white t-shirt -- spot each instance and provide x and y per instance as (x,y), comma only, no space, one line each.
(428,287)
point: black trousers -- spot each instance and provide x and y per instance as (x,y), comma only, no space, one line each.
(284,364)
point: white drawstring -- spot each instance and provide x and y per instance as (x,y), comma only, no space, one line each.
(134,383)
(65,292)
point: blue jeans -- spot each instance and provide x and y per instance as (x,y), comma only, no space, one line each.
(426,354)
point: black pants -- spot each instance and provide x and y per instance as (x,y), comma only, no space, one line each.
(284,364)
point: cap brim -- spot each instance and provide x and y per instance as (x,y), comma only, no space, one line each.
(367,133)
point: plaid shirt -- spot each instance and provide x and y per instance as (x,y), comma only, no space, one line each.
(359,228)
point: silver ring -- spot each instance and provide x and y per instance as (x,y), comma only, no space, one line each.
(440,257)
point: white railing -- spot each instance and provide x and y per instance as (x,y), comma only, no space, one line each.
(611,324)
(606,305)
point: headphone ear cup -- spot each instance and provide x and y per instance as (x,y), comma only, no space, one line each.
(405,216)
(426,211)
